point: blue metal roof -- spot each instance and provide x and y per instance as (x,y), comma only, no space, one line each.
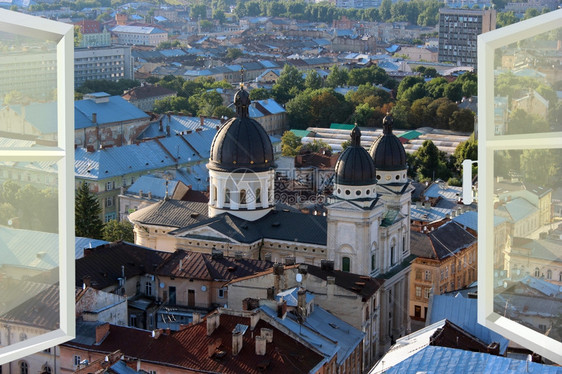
(196,176)
(436,360)
(327,333)
(116,109)
(470,220)
(156,186)
(118,161)
(172,52)
(462,312)
(268,64)
(37,249)
(271,106)
(428,214)
(519,208)
(43,116)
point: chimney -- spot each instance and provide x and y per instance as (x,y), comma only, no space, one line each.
(101,332)
(327,265)
(493,348)
(267,334)
(213,321)
(156,333)
(90,148)
(254,319)
(201,120)
(167,130)
(331,286)
(160,126)
(278,269)
(237,342)
(268,257)
(290,260)
(260,345)
(149,195)
(238,255)
(94,117)
(281,309)
(271,293)
(140,193)
(301,298)
(196,318)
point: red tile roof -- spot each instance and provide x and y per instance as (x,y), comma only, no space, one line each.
(188,349)
(89,26)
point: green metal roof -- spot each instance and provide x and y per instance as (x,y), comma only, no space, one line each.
(300,133)
(411,135)
(341,126)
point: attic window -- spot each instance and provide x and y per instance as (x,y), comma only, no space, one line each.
(333,325)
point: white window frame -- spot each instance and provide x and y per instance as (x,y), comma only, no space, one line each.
(63,155)
(487,144)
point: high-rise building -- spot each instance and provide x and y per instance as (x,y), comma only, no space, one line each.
(109,63)
(458,30)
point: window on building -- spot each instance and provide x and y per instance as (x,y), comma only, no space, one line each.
(427,275)
(76,360)
(418,292)
(537,272)
(258,196)
(426,292)
(242,196)
(346,264)
(227,196)
(148,288)
(47,370)
(549,274)
(373,262)
(133,320)
(24,368)
(220,293)
(418,274)
(536,142)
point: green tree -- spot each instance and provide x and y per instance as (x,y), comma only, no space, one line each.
(429,163)
(462,120)
(290,144)
(113,231)
(288,85)
(453,91)
(384,10)
(419,115)
(233,53)
(364,115)
(337,77)
(7,212)
(407,83)
(505,19)
(77,36)
(465,150)
(315,146)
(206,25)
(199,11)
(87,213)
(436,87)
(327,106)
(541,166)
(259,94)
(313,80)
(223,111)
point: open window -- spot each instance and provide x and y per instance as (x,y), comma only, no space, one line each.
(520,150)
(37,180)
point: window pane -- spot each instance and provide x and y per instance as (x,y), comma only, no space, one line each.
(28,89)
(29,248)
(528,238)
(525,100)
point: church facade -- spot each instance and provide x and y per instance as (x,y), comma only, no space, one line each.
(366,229)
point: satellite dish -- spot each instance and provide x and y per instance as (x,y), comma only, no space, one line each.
(162,285)
(10,222)
(299,277)
(203,288)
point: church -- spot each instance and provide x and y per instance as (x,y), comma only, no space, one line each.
(366,229)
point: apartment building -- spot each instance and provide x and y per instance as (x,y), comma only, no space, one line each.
(458,30)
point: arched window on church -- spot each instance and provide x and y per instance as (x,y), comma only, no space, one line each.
(537,272)
(227,196)
(393,255)
(346,264)
(242,196)
(549,274)
(258,196)
(373,262)
(214,194)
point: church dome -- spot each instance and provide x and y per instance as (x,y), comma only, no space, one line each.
(355,167)
(387,151)
(241,142)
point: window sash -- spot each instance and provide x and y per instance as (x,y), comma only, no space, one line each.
(488,143)
(63,154)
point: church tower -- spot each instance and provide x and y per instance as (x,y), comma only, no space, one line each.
(355,211)
(394,257)
(241,174)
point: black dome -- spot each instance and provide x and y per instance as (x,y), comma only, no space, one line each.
(241,142)
(387,151)
(355,167)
